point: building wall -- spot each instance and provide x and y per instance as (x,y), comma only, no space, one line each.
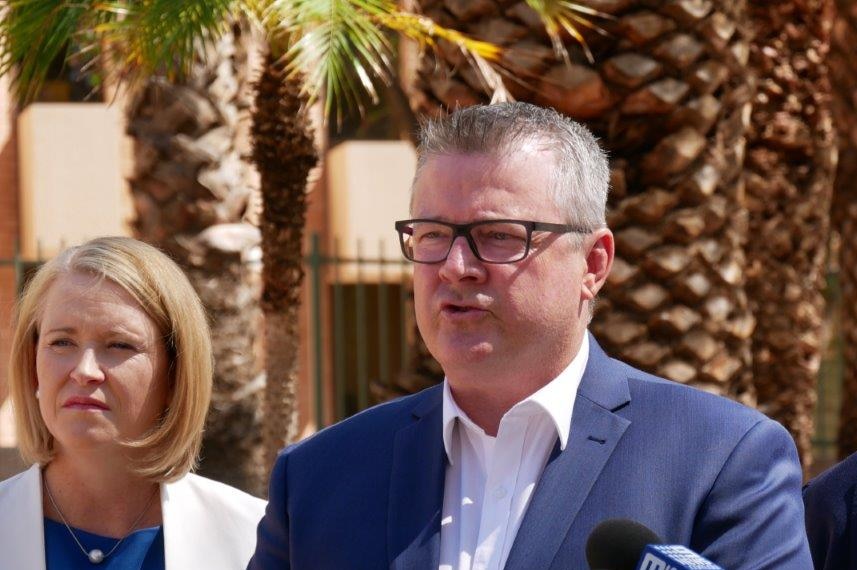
(70,169)
(9,227)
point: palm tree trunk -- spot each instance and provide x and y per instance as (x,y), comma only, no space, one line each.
(791,160)
(194,195)
(669,95)
(284,153)
(843,74)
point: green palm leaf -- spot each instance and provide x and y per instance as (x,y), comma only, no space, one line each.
(33,34)
(561,16)
(340,48)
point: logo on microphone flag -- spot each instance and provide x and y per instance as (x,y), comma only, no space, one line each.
(673,557)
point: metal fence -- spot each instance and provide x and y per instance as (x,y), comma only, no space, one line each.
(361,313)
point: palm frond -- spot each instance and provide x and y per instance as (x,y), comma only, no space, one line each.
(342,47)
(142,37)
(162,36)
(483,56)
(564,16)
(33,34)
(427,32)
(335,47)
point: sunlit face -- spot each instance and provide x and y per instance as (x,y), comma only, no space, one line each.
(101,364)
(511,316)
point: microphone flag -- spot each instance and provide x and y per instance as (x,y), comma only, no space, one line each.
(673,557)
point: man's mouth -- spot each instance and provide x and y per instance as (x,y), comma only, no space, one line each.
(454,309)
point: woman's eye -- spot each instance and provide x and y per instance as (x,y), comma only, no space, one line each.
(122,346)
(60,342)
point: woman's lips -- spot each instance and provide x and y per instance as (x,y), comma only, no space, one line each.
(85,403)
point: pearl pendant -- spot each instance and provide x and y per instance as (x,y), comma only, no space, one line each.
(96,556)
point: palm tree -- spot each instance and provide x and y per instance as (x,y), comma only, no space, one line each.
(695,297)
(791,159)
(667,89)
(843,73)
(196,195)
(336,47)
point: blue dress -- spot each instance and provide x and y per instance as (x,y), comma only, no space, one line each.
(141,550)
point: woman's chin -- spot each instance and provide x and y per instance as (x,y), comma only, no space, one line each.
(81,438)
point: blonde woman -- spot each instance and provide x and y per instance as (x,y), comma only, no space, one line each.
(110,380)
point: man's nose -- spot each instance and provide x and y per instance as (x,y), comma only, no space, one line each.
(87,369)
(461,262)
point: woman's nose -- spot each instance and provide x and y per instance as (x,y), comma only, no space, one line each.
(87,368)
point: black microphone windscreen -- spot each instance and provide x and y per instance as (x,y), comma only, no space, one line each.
(616,544)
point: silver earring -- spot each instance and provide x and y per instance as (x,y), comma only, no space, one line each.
(37,393)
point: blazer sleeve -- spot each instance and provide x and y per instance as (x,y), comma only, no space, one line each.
(753,516)
(272,535)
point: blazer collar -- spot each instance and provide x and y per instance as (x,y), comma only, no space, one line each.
(605,381)
(419,467)
(416,487)
(207,524)
(569,475)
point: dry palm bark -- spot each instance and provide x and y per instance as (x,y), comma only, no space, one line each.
(284,153)
(669,95)
(194,193)
(843,75)
(791,158)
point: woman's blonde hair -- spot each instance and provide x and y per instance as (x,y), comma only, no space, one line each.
(170,449)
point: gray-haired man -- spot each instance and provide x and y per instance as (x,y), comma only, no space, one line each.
(535,435)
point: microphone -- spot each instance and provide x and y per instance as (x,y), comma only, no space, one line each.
(616,544)
(623,544)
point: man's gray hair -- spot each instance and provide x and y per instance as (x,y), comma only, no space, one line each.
(581,175)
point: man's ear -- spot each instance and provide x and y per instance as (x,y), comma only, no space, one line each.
(600,249)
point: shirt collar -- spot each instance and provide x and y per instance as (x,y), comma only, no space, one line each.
(555,399)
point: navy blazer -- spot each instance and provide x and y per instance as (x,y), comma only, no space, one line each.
(697,469)
(831,512)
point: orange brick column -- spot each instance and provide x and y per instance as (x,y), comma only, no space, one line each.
(9,222)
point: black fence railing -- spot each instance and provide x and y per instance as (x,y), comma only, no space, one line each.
(363,335)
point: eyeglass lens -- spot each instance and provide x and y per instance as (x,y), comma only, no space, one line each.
(500,242)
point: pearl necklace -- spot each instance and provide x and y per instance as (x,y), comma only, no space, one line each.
(95,555)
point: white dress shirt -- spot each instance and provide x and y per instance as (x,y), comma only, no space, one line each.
(490,480)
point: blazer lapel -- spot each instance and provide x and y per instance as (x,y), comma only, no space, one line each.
(416,489)
(22,531)
(191,529)
(569,475)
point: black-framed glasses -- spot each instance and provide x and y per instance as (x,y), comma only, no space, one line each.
(491,241)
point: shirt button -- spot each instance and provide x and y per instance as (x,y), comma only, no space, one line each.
(499,493)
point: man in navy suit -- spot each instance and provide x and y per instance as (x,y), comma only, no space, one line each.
(831,517)
(535,435)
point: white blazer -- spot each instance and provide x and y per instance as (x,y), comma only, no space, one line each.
(206,524)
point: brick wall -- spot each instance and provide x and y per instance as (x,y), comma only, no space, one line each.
(9,223)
